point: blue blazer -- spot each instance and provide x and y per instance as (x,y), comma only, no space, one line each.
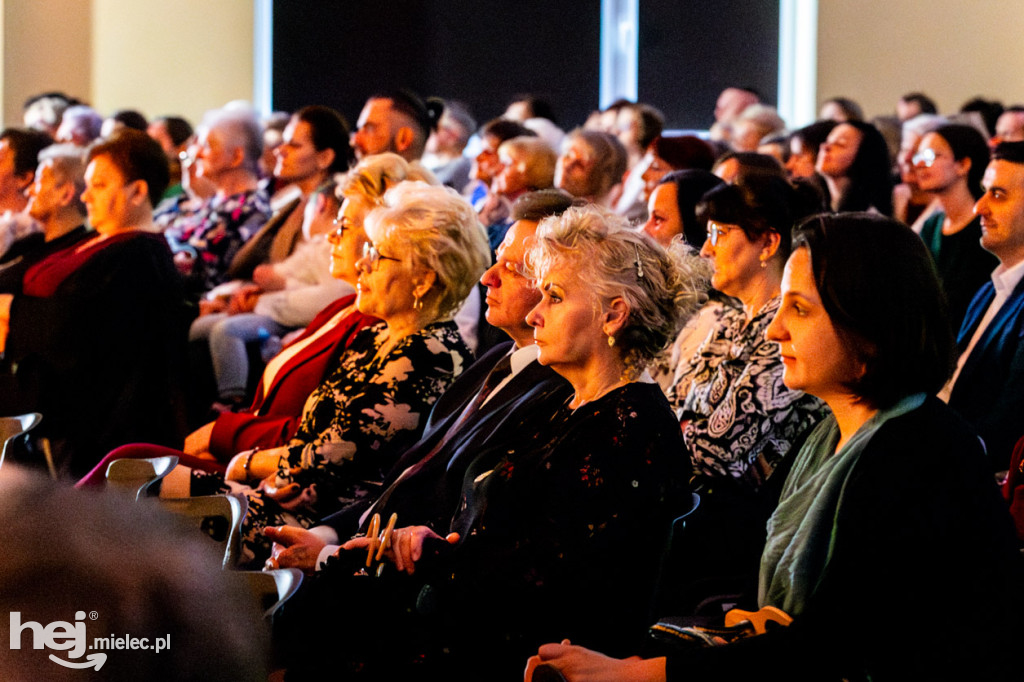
(989,393)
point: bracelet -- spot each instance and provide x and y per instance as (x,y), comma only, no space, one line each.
(248,460)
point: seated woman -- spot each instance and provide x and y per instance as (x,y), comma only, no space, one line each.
(670,152)
(295,372)
(739,420)
(96,340)
(854,160)
(426,251)
(672,216)
(889,509)
(948,165)
(543,518)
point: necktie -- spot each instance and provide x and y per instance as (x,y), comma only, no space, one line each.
(498,373)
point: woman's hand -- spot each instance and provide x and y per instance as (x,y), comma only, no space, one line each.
(578,664)
(197,443)
(261,464)
(293,548)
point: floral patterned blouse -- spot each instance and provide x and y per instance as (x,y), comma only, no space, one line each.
(215,233)
(739,418)
(355,425)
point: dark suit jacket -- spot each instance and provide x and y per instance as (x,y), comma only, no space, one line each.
(429,497)
(102,356)
(989,393)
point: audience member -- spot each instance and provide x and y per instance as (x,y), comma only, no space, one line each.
(637,127)
(447,142)
(295,373)
(729,105)
(755,123)
(672,153)
(1009,126)
(315,146)
(43,112)
(989,110)
(527,165)
(986,386)
(80,125)
(206,242)
(910,204)
(913,104)
(96,337)
(54,202)
(855,163)
(736,167)
(173,133)
(949,165)
(121,119)
(398,122)
(283,297)
(865,529)
(19,155)
(840,110)
(487,164)
(804,144)
(673,217)
(591,166)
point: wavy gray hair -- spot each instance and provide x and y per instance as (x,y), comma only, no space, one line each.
(662,287)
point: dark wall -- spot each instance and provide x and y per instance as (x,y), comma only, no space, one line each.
(691,51)
(339,52)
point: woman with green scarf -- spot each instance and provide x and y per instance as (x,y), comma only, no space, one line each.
(889,547)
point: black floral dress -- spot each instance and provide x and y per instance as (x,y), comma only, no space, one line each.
(354,427)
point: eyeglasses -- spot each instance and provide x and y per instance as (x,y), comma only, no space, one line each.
(341,223)
(925,157)
(373,256)
(716,231)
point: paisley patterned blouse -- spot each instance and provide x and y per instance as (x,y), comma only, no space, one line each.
(739,418)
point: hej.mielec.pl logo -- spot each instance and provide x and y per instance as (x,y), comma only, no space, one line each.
(71,637)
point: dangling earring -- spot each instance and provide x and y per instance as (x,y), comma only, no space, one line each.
(417,304)
(764,262)
(611,340)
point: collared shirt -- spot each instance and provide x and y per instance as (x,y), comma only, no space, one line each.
(1005,280)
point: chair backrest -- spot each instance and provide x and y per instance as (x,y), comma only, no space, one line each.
(136,476)
(273,588)
(219,517)
(12,427)
(671,558)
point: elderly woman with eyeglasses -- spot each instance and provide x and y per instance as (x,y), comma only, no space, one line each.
(292,375)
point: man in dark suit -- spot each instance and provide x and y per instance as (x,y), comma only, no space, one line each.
(426,481)
(987,388)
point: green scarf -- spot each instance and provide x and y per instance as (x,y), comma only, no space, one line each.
(801,532)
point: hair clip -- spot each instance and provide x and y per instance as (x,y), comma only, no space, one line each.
(639,266)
